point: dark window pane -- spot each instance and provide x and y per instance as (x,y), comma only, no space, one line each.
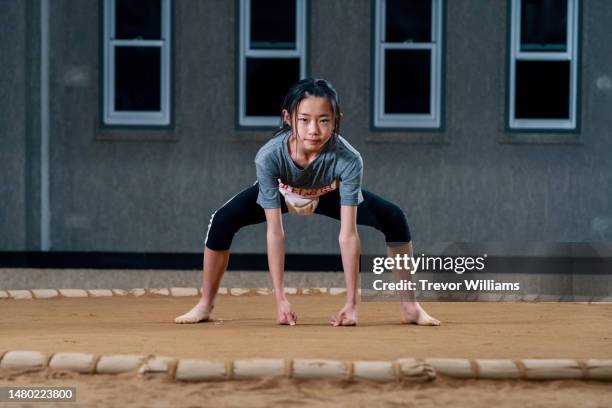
(273,24)
(137,78)
(138,19)
(408,20)
(268,80)
(542,89)
(407,81)
(543,25)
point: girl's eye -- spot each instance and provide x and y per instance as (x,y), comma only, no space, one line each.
(324,120)
(303,120)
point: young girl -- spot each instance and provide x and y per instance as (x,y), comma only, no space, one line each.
(307,167)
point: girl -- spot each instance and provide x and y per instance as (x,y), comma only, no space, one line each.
(307,167)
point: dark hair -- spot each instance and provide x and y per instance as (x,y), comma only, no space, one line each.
(305,88)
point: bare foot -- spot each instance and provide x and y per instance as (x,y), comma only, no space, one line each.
(200,313)
(413,313)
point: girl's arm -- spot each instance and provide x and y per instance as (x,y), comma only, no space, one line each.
(350,248)
(276,262)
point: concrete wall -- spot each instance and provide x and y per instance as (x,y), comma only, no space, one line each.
(19,125)
(12,126)
(154,190)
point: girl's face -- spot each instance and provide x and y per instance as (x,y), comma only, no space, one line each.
(313,124)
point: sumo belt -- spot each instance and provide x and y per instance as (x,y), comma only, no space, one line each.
(304,201)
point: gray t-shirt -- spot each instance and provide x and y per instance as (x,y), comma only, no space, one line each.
(338,160)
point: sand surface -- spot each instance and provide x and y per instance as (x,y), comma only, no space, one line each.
(247,329)
(127,391)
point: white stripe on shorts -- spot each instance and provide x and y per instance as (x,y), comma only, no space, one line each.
(213,214)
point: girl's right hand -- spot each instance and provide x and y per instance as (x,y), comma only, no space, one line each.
(284,314)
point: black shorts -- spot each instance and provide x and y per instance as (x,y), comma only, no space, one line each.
(242,209)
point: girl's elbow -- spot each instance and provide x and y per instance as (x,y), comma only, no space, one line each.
(275,233)
(346,238)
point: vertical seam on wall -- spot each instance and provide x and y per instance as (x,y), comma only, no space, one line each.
(45,216)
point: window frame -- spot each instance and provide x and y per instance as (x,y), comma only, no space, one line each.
(245,51)
(408,121)
(136,119)
(571,54)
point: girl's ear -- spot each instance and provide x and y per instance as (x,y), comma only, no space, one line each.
(286,117)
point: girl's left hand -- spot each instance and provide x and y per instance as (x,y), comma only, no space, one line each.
(347,316)
(285,314)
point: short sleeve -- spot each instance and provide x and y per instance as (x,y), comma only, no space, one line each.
(269,196)
(350,183)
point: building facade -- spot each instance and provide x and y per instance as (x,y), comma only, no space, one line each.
(487,121)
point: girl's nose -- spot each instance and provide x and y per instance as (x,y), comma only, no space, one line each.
(313,127)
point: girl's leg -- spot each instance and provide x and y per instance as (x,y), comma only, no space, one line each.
(239,211)
(410,310)
(215,264)
(388,218)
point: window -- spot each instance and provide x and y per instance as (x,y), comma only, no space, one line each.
(136,89)
(543,64)
(407,65)
(272,57)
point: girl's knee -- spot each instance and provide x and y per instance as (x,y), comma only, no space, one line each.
(222,218)
(397,214)
(396,227)
(221,229)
